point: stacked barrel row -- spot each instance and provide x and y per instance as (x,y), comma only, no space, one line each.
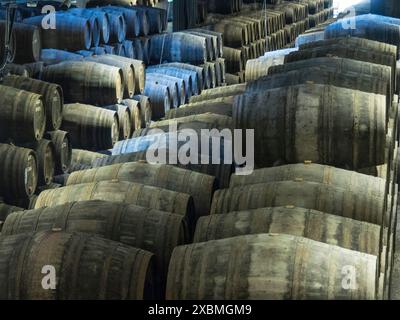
(327,114)
(255,30)
(185,63)
(34,146)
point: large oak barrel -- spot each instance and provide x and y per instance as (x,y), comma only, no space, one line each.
(28,44)
(82,159)
(102,18)
(319,226)
(46,159)
(70,32)
(137,118)
(311,195)
(373,29)
(201,73)
(122,192)
(320,75)
(146,109)
(117,24)
(5,211)
(178,47)
(119,222)
(349,180)
(160,99)
(131,17)
(359,42)
(200,186)
(176,86)
(52,97)
(22,116)
(125,119)
(90,127)
(87,82)
(63,150)
(86,267)
(18,169)
(268,266)
(309,123)
(128,71)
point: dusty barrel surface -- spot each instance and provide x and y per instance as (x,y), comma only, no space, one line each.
(70,32)
(122,192)
(52,97)
(265,268)
(90,127)
(200,186)
(79,262)
(87,82)
(345,179)
(63,150)
(311,195)
(18,169)
(313,116)
(319,226)
(22,117)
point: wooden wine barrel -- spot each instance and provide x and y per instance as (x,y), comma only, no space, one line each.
(84,157)
(22,116)
(178,47)
(125,120)
(268,266)
(298,115)
(122,192)
(219,93)
(52,97)
(128,71)
(82,264)
(345,179)
(319,226)
(19,70)
(12,42)
(28,44)
(342,51)
(70,32)
(87,82)
(320,75)
(200,186)
(18,169)
(54,56)
(190,77)
(217,106)
(46,159)
(63,150)
(91,128)
(366,28)
(102,18)
(160,99)
(359,42)
(310,195)
(98,51)
(155,79)
(117,23)
(146,109)
(135,109)
(5,211)
(114,221)
(201,73)
(176,86)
